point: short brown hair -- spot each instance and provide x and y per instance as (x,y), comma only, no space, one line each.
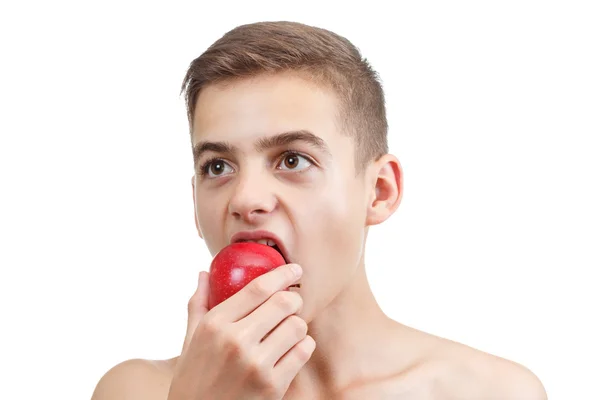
(316,53)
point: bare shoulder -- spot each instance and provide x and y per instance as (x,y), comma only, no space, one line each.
(475,374)
(135,379)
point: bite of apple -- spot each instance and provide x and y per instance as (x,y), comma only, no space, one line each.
(238,264)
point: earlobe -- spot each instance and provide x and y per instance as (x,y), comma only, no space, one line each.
(195,211)
(387,191)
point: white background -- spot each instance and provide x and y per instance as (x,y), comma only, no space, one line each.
(494,114)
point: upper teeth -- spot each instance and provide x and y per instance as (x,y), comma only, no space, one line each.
(268,242)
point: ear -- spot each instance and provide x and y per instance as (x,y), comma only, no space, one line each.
(195,212)
(386,189)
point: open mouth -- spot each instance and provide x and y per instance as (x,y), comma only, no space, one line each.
(273,244)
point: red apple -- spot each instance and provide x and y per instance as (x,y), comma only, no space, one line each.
(237,265)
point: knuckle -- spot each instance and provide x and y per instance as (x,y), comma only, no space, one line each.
(241,334)
(286,301)
(262,378)
(193,304)
(231,345)
(259,288)
(300,301)
(303,351)
(211,325)
(273,392)
(298,326)
(190,305)
(302,354)
(257,371)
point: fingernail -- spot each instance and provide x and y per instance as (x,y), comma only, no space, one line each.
(297,270)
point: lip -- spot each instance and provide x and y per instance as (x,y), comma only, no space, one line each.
(256,235)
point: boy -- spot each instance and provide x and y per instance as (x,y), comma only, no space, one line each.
(289,135)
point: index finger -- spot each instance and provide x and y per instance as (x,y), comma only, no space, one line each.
(259,290)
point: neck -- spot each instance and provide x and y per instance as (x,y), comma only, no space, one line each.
(349,334)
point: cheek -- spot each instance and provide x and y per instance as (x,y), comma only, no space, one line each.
(333,225)
(209,211)
(331,237)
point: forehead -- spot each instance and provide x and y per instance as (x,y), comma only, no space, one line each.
(243,110)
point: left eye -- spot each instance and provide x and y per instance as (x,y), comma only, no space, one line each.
(294,162)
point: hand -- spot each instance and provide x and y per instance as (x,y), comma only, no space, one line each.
(250,346)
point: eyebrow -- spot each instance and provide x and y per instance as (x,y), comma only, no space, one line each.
(262,144)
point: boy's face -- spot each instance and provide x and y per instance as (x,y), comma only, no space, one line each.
(305,191)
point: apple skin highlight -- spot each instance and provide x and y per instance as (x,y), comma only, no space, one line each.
(237,265)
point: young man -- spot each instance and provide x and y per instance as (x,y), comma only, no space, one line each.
(288,128)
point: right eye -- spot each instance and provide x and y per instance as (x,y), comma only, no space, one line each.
(215,168)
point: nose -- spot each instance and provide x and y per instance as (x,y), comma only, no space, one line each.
(252,199)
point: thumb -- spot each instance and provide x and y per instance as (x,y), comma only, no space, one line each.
(197,308)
